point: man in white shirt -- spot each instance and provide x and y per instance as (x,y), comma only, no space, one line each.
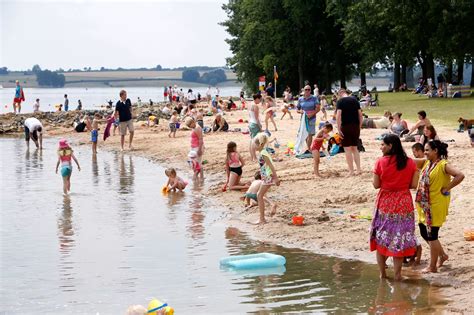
(208,94)
(33,130)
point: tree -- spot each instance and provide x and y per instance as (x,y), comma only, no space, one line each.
(190,75)
(4,70)
(213,77)
(36,69)
(50,79)
(158,68)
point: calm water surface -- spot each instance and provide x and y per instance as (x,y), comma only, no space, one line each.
(93,97)
(116,241)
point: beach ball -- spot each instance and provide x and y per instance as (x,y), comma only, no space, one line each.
(155,306)
(290,145)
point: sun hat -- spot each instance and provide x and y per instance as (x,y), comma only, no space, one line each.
(192,154)
(63,144)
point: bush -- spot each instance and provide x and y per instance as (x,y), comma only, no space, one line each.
(190,75)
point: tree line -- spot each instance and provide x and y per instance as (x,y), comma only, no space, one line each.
(212,77)
(327,41)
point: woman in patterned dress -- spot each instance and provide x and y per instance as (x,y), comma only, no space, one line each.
(393,225)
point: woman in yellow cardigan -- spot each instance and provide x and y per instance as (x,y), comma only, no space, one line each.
(433,197)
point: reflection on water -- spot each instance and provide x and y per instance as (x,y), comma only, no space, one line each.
(116,241)
(313,283)
(66,245)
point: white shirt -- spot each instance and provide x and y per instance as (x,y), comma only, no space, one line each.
(316,92)
(208,91)
(33,124)
(36,106)
(191,97)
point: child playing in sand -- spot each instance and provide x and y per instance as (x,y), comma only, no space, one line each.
(250,197)
(317,145)
(172,123)
(95,131)
(418,150)
(174,181)
(195,165)
(65,155)
(269,110)
(233,167)
(267,172)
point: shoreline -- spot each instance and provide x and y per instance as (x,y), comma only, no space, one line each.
(341,236)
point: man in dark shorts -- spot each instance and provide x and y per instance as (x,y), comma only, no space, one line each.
(349,123)
(33,130)
(123,109)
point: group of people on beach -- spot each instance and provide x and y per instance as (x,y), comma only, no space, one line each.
(393,225)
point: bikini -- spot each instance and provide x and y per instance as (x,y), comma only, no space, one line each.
(233,161)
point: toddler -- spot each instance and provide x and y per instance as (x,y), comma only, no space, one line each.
(174,181)
(317,145)
(172,123)
(196,166)
(95,131)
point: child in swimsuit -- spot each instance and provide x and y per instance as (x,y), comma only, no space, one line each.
(268,173)
(269,112)
(65,155)
(174,181)
(233,166)
(317,145)
(95,131)
(250,197)
(196,166)
(172,123)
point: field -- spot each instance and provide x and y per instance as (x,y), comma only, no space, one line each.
(443,111)
(108,78)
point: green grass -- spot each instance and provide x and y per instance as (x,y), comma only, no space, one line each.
(442,111)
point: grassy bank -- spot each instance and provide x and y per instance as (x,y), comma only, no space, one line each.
(111,78)
(443,111)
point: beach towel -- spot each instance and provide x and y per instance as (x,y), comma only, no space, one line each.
(300,145)
(110,121)
(304,156)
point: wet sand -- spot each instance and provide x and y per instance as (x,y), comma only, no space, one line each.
(301,193)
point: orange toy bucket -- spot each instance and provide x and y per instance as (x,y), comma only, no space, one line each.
(298,220)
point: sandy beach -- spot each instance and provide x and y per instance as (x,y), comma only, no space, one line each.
(301,193)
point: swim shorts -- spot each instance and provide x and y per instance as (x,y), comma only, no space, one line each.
(312,126)
(254,129)
(94,135)
(172,127)
(66,171)
(251,196)
(351,134)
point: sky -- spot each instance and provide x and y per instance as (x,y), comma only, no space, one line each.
(111,33)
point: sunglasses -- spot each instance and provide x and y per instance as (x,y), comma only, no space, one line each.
(307,89)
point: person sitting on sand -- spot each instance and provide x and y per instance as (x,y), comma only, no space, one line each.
(429,133)
(267,172)
(419,125)
(174,181)
(250,196)
(433,196)
(418,150)
(233,166)
(398,125)
(220,124)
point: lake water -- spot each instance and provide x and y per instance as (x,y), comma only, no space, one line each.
(92,98)
(117,241)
